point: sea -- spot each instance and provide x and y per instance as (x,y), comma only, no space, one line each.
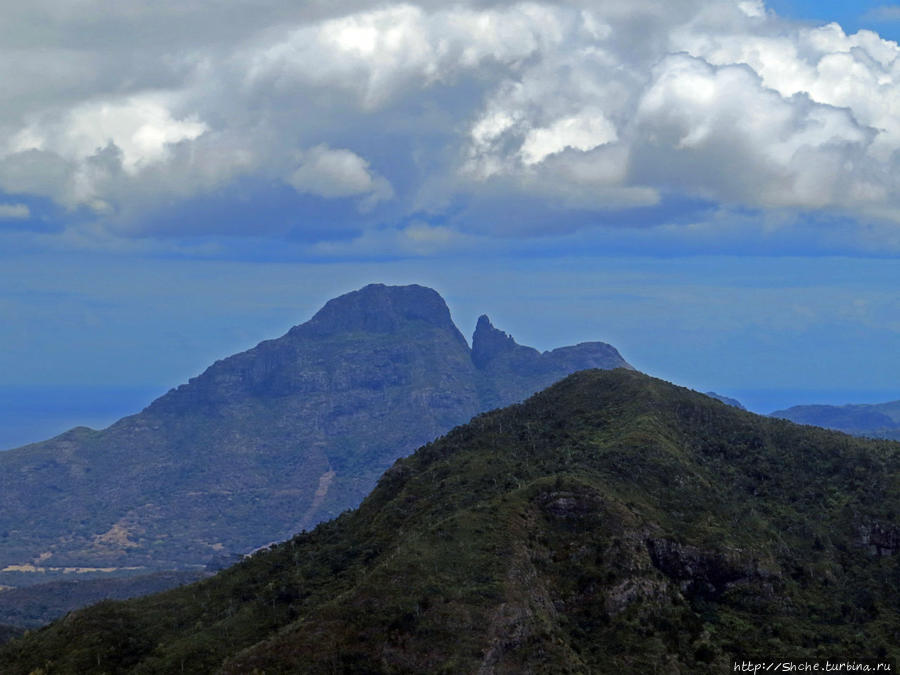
(30,413)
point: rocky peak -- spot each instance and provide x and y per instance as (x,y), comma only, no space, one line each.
(377,308)
(488,342)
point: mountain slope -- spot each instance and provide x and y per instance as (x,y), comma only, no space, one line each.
(261,445)
(613,523)
(875,420)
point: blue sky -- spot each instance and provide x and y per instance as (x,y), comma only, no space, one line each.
(882,17)
(712,187)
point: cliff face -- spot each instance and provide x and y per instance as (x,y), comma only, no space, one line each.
(510,371)
(262,444)
(611,523)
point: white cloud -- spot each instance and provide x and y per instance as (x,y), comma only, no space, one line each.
(408,107)
(14,212)
(89,144)
(755,9)
(720,133)
(140,127)
(382,53)
(580,132)
(334,173)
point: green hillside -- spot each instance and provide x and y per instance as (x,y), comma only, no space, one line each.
(612,523)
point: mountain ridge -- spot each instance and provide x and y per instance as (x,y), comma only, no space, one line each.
(611,523)
(261,444)
(874,420)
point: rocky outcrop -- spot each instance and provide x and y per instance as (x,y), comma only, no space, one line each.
(702,573)
(488,344)
(880,539)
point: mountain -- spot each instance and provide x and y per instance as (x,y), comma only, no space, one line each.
(878,420)
(265,443)
(612,523)
(7,633)
(727,401)
(509,369)
(38,604)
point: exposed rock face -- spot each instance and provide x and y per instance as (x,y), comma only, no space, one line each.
(268,441)
(507,368)
(488,343)
(879,538)
(380,309)
(702,573)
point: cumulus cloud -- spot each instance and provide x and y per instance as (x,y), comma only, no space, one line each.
(333,173)
(418,107)
(385,52)
(583,132)
(88,143)
(718,132)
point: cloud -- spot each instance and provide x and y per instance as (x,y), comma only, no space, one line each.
(409,108)
(584,132)
(333,173)
(883,13)
(140,127)
(718,132)
(417,239)
(379,54)
(74,156)
(14,212)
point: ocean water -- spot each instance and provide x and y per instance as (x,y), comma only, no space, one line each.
(31,414)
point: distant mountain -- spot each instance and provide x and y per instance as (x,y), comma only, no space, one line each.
(7,633)
(613,523)
(38,604)
(877,420)
(733,402)
(264,443)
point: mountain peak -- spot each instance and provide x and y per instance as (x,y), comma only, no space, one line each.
(488,342)
(317,414)
(378,308)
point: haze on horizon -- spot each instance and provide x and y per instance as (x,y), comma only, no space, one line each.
(711,187)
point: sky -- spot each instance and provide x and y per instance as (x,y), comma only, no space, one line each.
(709,185)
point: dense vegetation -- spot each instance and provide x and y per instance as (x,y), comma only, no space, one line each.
(612,523)
(267,442)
